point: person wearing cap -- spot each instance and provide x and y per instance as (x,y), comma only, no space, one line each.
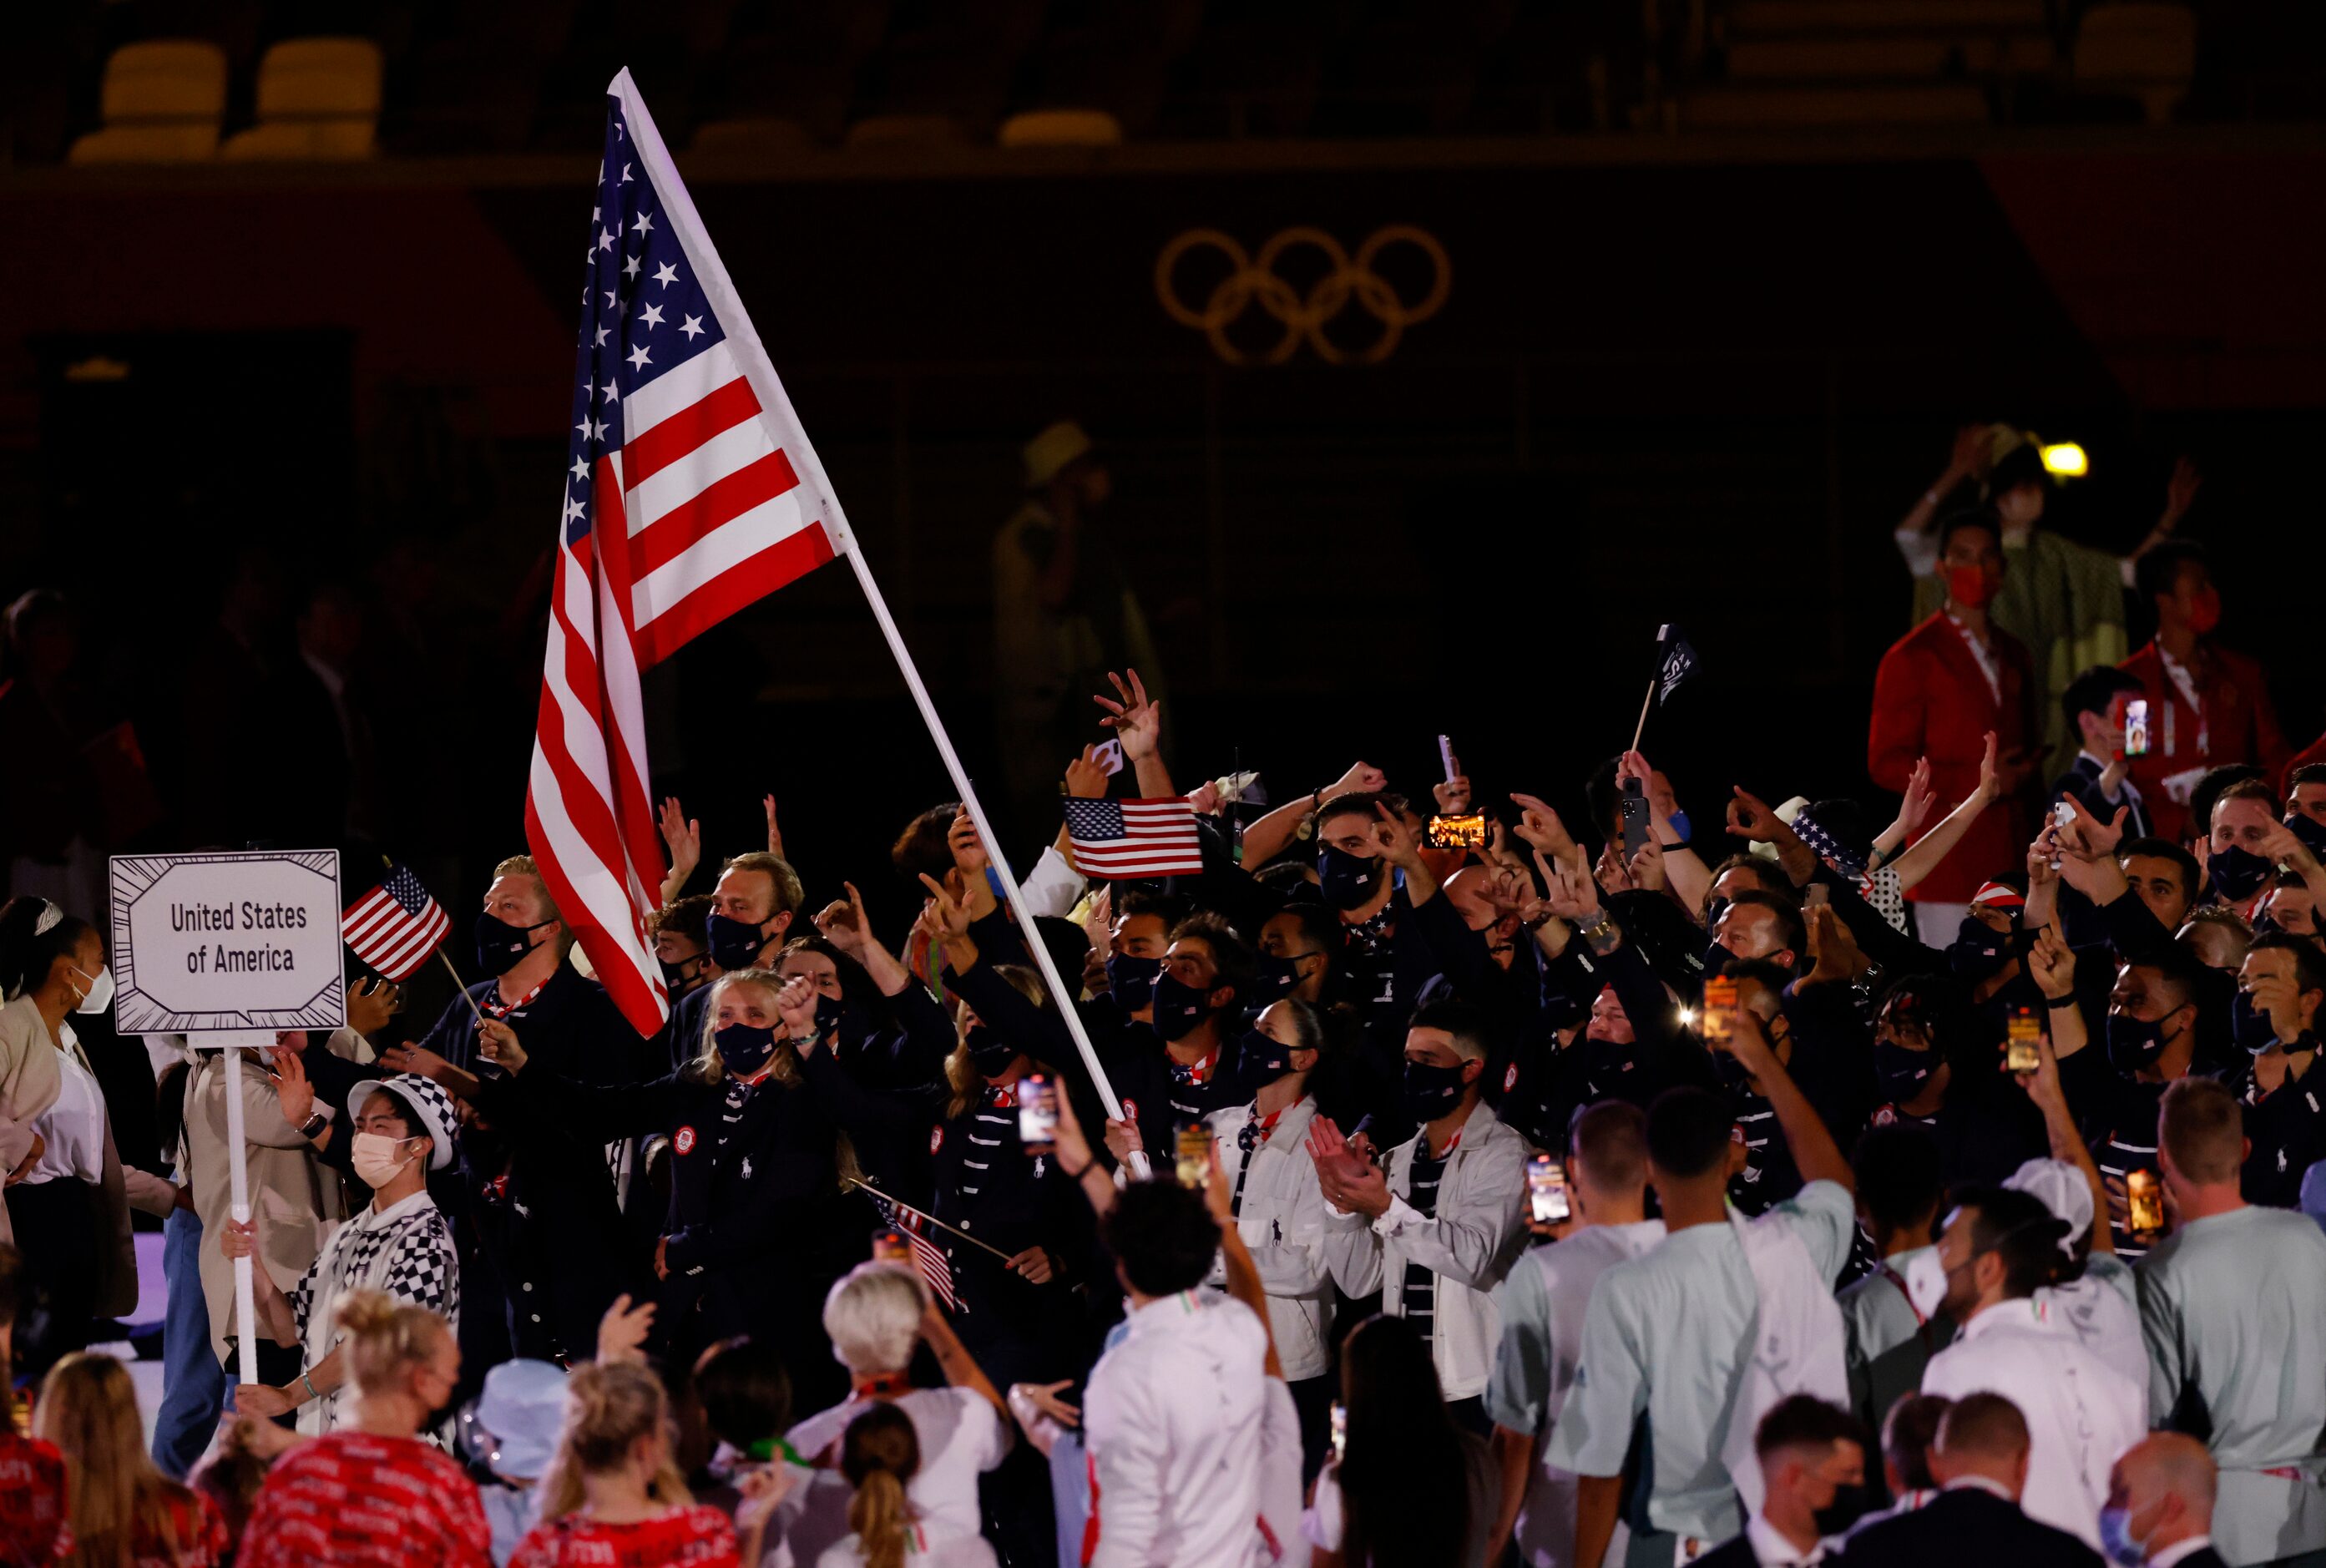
(511,1429)
(1998,1248)
(399,1244)
(2236,1343)
(2206,705)
(2062,598)
(2091,1289)
(1941,692)
(1064,614)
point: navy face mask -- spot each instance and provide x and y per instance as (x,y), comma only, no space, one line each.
(2134,1043)
(734,944)
(1346,879)
(1431,1090)
(744,1048)
(1899,1073)
(828,1014)
(1262,1060)
(1179,1007)
(1977,952)
(1278,978)
(500,945)
(1130,979)
(677,974)
(2250,1026)
(2309,830)
(988,1051)
(2237,874)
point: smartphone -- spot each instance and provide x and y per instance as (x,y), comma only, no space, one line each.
(2022,1041)
(1037,1113)
(2135,727)
(890,1247)
(1340,1432)
(1634,802)
(1457,832)
(1817,896)
(1546,1192)
(2063,818)
(1195,1156)
(1446,755)
(2146,1197)
(1718,1022)
(1109,756)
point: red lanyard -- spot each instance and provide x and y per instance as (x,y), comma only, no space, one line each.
(887,1385)
(500,1009)
(1892,1276)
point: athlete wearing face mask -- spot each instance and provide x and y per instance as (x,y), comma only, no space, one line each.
(522,941)
(2247,842)
(2281,988)
(1295,959)
(399,1244)
(1812,1458)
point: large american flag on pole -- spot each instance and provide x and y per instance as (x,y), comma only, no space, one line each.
(690,491)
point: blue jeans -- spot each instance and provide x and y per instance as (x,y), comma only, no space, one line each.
(193,1383)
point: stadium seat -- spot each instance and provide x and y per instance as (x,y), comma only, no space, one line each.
(318,98)
(751,136)
(2138,48)
(905,131)
(162,101)
(1061,129)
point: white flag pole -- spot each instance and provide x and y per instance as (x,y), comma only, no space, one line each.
(785,430)
(246,1300)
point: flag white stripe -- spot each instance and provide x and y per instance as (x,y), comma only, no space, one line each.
(679,387)
(724,547)
(672,486)
(594,884)
(415,943)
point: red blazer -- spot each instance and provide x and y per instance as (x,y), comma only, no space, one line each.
(1930,700)
(2314,752)
(2240,727)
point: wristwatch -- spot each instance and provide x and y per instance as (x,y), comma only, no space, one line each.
(314,1126)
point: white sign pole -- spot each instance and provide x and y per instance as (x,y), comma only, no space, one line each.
(246,1300)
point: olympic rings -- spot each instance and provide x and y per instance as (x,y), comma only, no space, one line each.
(1255,278)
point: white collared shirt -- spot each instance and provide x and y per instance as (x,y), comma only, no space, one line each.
(2184,682)
(1173,1415)
(2082,1412)
(1988,665)
(2178,1549)
(73,1129)
(1776,1552)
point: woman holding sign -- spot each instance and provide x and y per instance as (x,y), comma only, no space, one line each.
(399,1245)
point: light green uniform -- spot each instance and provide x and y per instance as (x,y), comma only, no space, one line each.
(2233,1308)
(1667,1334)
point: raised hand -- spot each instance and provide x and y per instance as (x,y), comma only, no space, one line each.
(795,1005)
(1453,796)
(683,836)
(775,833)
(1749,818)
(1969,457)
(969,856)
(1615,876)
(1122,1139)
(2088,838)
(371,1006)
(1914,808)
(1361,777)
(1647,867)
(1331,1151)
(622,1332)
(948,915)
(2179,492)
(1833,954)
(411,1058)
(496,1043)
(1572,896)
(2052,964)
(1399,844)
(842,922)
(1540,827)
(1136,722)
(1204,800)
(1086,776)
(292,1090)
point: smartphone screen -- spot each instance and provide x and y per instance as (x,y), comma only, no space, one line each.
(1037,1113)
(1718,1020)
(2135,727)
(1457,832)
(1340,1432)
(2023,1042)
(1195,1156)
(1547,1191)
(890,1247)
(1817,896)
(2146,1200)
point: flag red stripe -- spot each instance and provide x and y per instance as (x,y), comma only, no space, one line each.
(650,452)
(633,808)
(641,1004)
(721,502)
(788,559)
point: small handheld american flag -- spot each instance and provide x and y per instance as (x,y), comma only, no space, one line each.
(934,1264)
(396,925)
(1115,840)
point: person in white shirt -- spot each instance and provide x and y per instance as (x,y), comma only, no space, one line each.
(1541,1304)
(1812,1459)
(876,1314)
(2091,1289)
(1998,1247)
(880,1455)
(2160,1506)
(1174,1413)
(1435,1231)
(1278,1208)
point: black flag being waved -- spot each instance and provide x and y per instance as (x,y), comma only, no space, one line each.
(1675,661)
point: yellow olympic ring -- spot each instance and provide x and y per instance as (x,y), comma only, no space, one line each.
(1255,278)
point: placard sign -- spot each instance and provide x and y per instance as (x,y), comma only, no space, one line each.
(227,941)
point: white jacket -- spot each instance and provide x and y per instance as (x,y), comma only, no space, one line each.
(1478,1231)
(1282,1222)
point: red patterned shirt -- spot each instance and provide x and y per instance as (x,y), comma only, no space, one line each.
(353,1500)
(197,1527)
(33,1528)
(696,1538)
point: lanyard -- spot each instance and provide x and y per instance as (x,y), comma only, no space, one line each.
(1254,1135)
(1892,1276)
(500,1009)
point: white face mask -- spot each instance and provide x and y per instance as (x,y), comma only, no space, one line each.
(1926,1283)
(373,1154)
(99,995)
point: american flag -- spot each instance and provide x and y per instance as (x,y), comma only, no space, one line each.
(396,925)
(690,492)
(934,1264)
(1115,839)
